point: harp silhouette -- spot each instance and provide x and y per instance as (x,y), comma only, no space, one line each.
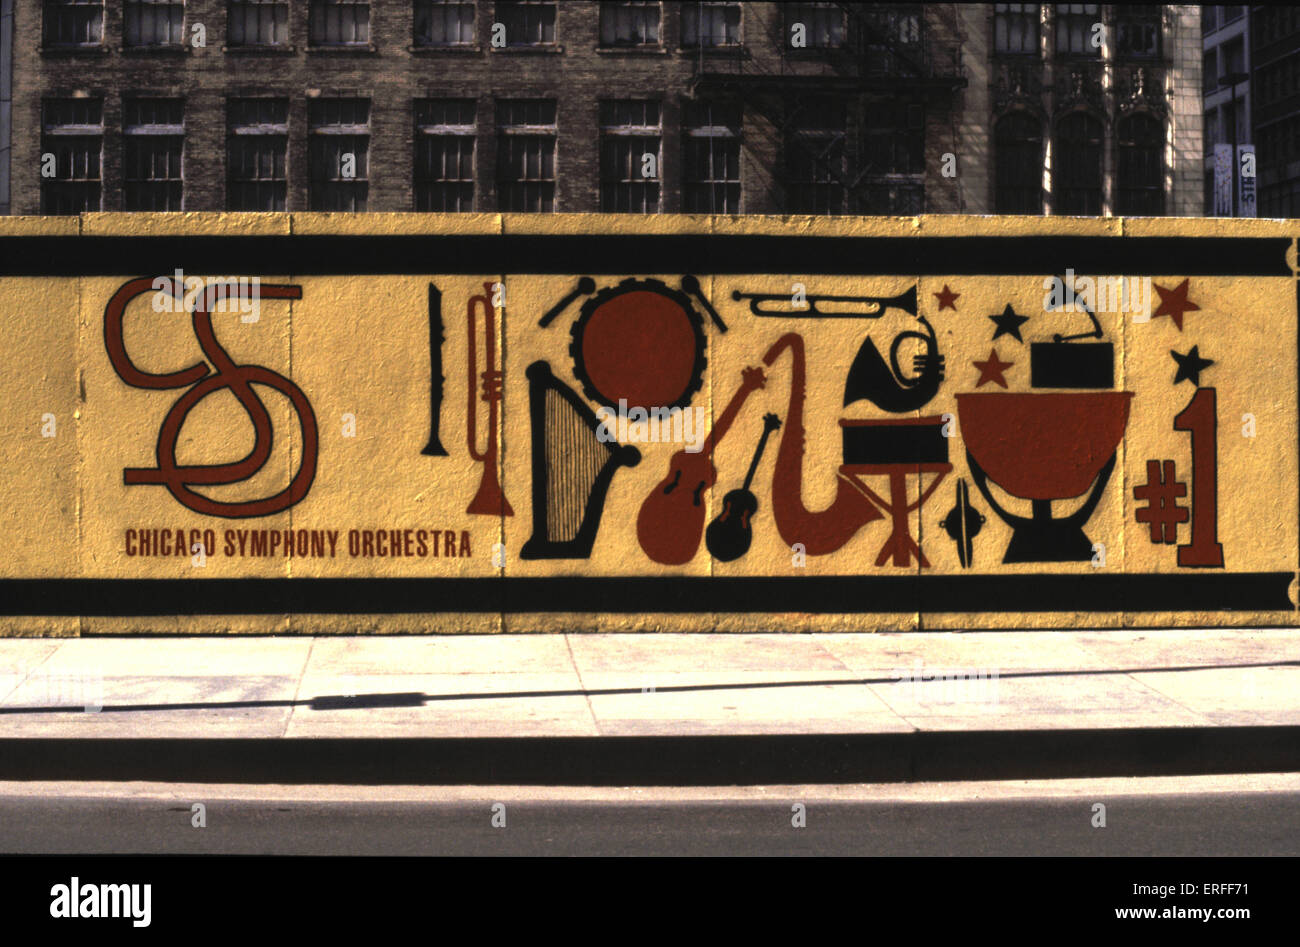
(572,469)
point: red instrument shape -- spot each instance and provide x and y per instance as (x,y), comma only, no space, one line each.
(671,520)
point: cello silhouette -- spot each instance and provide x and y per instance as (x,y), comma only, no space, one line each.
(671,519)
(729,535)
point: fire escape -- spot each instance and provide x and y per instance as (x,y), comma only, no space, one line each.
(862,59)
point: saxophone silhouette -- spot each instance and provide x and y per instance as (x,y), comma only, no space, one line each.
(819,532)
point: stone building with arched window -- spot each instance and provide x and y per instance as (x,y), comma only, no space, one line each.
(1094,109)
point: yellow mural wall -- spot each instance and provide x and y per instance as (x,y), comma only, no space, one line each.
(317,423)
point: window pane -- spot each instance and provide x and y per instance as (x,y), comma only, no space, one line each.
(819,25)
(153,23)
(443,23)
(526,155)
(1018,161)
(1141,167)
(1078,181)
(257,23)
(1075,28)
(256,154)
(444,154)
(527,22)
(73,22)
(339,23)
(72,131)
(711,159)
(710,24)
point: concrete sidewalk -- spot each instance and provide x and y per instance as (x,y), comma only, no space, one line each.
(611,685)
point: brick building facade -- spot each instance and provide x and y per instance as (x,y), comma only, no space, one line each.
(578,106)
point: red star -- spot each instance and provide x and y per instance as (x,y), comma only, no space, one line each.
(992,369)
(1174,302)
(947,298)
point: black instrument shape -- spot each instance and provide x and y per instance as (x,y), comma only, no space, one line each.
(729,535)
(963,524)
(905,300)
(870,377)
(691,287)
(573,466)
(436,379)
(586,286)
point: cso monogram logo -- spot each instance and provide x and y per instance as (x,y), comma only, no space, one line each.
(202,379)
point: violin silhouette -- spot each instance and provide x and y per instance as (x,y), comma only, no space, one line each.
(671,520)
(729,535)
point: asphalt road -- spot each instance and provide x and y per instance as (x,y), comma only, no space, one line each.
(639,822)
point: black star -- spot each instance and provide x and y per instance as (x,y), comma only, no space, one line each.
(1009,323)
(1190,365)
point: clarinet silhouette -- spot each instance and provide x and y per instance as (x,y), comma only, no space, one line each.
(437,335)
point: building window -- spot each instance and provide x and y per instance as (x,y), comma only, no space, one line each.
(444,154)
(630,137)
(814,25)
(339,154)
(527,22)
(1075,29)
(1137,28)
(73,131)
(1076,151)
(814,159)
(1018,165)
(893,149)
(711,169)
(339,23)
(153,141)
(74,22)
(629,24)
(892,38)
(256,146)
(444,23)
(1234,55)
(526,133)
(153,23)
(1015,28)
(1141,167)
(710,24)
(1209,71)
(257,23)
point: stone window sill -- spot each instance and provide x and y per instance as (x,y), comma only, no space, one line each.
(174,49)
(647,50)
(473,49)
(540,48)
(357,48)
(98,49)
(267,49)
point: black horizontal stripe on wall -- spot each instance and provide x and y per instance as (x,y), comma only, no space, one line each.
(715,760)
(1177,592)
(605,254)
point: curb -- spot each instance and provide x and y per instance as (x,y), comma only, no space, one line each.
(664,760)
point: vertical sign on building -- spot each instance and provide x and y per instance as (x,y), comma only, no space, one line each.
(1246,180)
(1223,180)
